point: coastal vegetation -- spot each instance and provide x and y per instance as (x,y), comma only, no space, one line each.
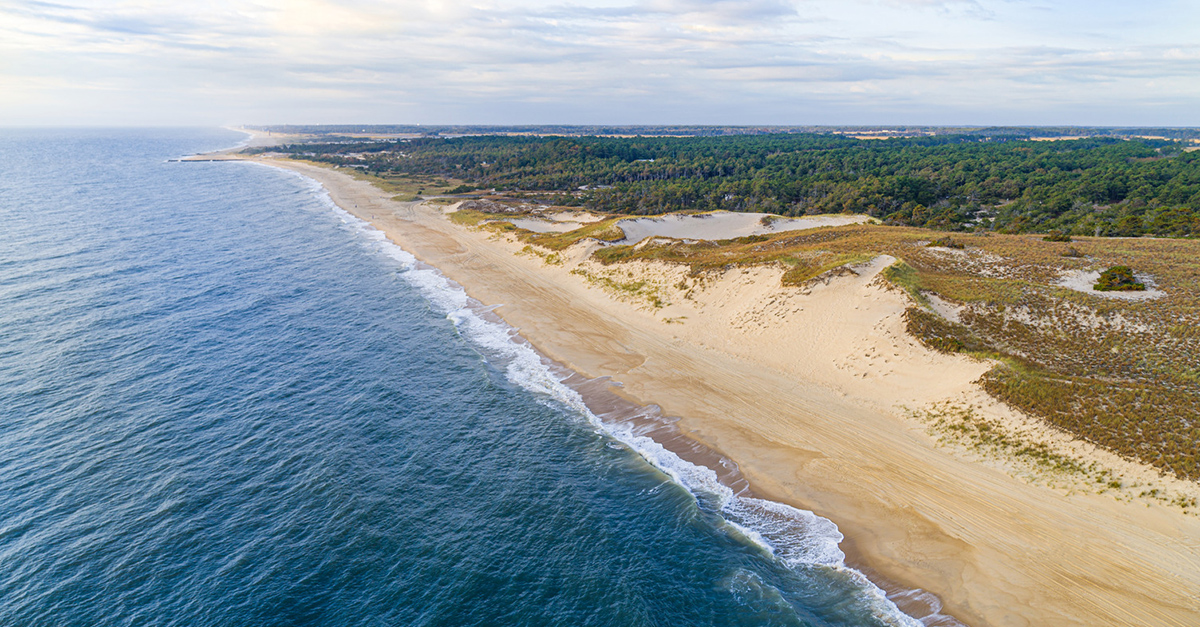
(946,242)
(1121,373)
(988,179)
(1118,279)
(964,425)
(403,187)
(1124,375)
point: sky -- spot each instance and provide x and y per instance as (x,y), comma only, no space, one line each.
(751,62)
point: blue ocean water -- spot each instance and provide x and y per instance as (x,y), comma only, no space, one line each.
(225,402)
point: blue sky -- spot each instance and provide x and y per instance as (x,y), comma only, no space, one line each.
(139,62)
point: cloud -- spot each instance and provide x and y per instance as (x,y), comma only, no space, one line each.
(620,61)
(738,10)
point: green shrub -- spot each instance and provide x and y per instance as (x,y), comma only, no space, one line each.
(1057,236)
(946,242)
(1118,279)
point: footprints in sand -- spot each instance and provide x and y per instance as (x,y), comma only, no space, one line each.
(770,316)
(883,352)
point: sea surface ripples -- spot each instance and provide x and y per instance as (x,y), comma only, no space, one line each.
(225,402)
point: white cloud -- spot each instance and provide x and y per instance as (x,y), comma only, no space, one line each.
(615,61)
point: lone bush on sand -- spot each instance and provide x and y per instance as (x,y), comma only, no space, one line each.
(1118,279)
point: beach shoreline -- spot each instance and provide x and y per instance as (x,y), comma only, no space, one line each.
(802,427)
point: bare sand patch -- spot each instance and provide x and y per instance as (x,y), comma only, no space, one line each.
(582,217)
(1085,281)
(539,221)
(720,225)
(538,225)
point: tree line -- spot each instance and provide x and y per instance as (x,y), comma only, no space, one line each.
(1100,185)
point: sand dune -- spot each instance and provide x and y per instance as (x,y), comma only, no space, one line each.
(808,389)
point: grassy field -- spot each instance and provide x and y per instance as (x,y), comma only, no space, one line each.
(1122,374)
(405,187)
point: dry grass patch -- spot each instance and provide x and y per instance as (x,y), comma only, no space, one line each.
(1119,374)
(633,289)
(604,230)
(404,187)
(1124,375)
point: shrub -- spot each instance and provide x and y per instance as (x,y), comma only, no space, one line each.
(1118,279)
(946,242)
(1057,236)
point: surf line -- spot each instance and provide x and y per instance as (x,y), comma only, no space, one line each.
(795,537)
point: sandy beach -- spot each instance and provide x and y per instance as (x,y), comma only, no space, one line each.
(812,391)
(255,139)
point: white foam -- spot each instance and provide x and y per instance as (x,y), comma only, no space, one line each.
(796,537)
(245,141)
(242,144)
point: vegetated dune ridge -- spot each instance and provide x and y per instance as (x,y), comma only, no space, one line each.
(808,389)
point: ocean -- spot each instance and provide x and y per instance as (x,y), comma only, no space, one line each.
(224,401)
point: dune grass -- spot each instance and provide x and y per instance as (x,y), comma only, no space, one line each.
(1124,375)
(405,187)
(604,230)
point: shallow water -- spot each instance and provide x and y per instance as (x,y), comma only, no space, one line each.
(226,402)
